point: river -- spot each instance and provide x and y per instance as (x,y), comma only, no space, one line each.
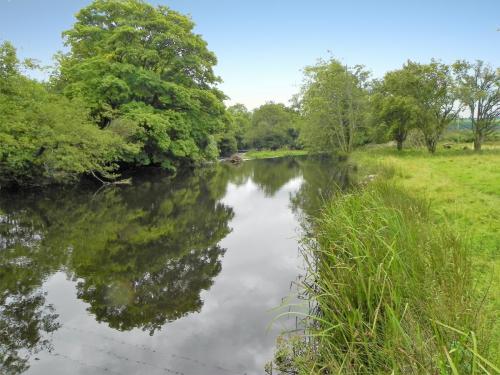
(165,276)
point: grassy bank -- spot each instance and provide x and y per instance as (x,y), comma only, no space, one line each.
(463,188)
(393,292)
(268,154)
(404,273)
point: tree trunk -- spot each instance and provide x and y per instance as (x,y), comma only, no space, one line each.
(431,145)
(400,137)
(478,141)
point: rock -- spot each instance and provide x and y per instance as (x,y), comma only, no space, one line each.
(235,159)
(367,179)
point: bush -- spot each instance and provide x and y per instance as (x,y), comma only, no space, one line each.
(415,139)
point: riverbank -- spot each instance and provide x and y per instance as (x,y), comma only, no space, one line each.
(463,188)
(418,249)
(269,154)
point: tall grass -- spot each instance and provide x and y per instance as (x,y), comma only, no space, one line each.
(392,293)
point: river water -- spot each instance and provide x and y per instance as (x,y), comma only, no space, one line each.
(166,276)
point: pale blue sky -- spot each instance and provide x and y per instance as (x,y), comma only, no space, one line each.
(262,45)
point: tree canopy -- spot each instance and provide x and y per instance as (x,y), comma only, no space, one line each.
(46,137)
(273,125)
(334,104)
(144,65)
(478,88)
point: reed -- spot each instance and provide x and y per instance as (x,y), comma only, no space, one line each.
(392,292)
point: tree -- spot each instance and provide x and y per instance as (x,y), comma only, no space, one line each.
(273,126)
(48,138)
(393,111)
(242,119)
(334,103)
(419,95)
(130,60)
(397,114)
(434,89)
(479,91)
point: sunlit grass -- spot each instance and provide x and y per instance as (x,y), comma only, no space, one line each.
(267,154)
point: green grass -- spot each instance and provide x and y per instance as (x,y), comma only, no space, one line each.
(404,274)
(267,154)
(464,190)
(392,291)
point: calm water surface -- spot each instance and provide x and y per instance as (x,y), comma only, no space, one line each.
(167,276)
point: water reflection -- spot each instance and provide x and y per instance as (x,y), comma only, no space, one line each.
(140,256)
(323,177)
(24,316)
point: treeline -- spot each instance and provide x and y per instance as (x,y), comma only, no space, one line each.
(137,88)
(340,108)
(343,108)
(271,126)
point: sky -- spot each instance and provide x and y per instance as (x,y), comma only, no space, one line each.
(263,45)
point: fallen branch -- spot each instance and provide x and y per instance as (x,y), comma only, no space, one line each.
(126,181)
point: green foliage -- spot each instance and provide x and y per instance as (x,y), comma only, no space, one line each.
(229,138)
(393,111)
(273,126)
(242,120)
(130,60)
(421,96)
(458,136)
(392,292)
(334,106)
(479,91)
(434,89)
(45,137)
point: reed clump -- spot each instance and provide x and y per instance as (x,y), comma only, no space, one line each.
(392,292)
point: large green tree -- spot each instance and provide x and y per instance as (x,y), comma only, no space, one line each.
(46,137)
(434,89)
(479,91)
(334,104)
(393,112)
(426,95)
(145,66)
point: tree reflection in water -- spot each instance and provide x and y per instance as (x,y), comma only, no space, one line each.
(323,177)
(140,255)
(25,319)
